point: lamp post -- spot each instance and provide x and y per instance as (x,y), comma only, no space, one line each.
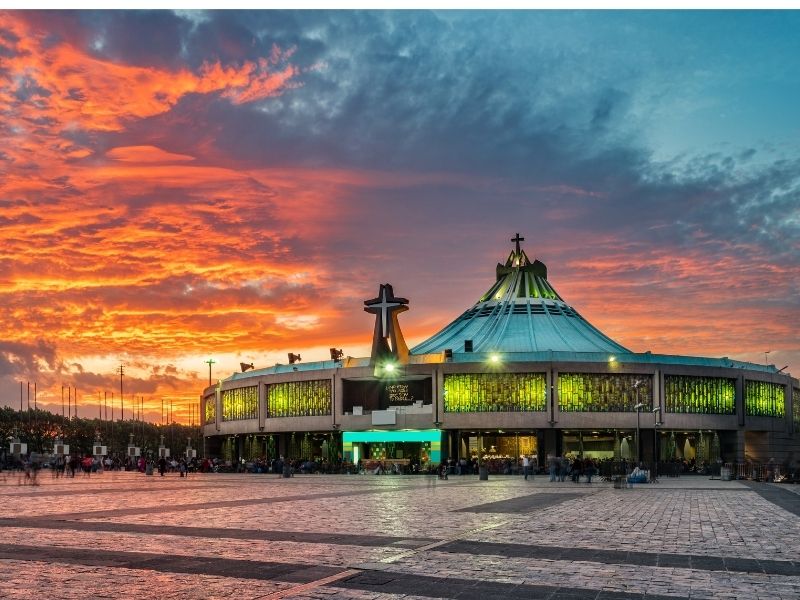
(656,425)
(639,406)
(210,362)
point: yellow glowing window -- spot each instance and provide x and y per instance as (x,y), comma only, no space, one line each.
(495,392)
(299,398)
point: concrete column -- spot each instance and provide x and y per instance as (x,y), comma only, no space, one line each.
(283,445)
(338,399)
(739,385)
(438,396)
(740,445)
(658,391)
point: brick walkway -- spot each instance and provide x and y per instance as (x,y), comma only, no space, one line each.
(260,536)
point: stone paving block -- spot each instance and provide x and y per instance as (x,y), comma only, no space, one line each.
(687,538)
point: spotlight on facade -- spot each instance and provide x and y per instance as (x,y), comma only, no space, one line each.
(494,359)
(245,366)
(612,359)
(293,358)
(389,367)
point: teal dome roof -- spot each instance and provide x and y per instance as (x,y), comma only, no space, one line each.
(521,312)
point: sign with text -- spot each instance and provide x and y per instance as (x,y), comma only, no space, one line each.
(380,394)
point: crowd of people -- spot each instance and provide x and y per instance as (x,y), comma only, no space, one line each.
(559,468)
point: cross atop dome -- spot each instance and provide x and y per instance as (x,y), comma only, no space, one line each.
(517,258)
(517,239)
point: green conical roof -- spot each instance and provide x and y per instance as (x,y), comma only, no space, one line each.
(521,312)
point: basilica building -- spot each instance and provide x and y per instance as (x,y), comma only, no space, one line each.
(520,372)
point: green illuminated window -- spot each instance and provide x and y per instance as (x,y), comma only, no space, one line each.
(495,392)
(240,403)
(210,409)
(764,399)
(602,392)
(299,398)
(703,395)
(796,408)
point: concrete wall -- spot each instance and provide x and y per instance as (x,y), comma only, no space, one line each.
(777,437)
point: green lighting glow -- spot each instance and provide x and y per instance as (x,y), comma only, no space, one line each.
(299,398)
(495,392)
(601,392)
(764,399)
(210,409)
(240,403)
(388,367)
(414,435)
(494,358)
(796,408)
(700,395)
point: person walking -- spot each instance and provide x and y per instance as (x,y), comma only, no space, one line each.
(577,465)
(589,469)
(162,466)
(552,466)
(526,465)
(563,467)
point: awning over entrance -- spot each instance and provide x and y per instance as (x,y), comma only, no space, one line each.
(403,435)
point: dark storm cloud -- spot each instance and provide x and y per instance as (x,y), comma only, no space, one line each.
(22,359)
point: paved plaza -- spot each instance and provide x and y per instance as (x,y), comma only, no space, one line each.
(259,536)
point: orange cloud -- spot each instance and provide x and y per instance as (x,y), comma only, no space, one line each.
(146,154)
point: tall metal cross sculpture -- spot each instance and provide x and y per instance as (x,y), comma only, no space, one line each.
(387,341)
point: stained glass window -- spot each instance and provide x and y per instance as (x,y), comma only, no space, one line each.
(704,395)
(603,392)
(240,403)
(764,399)
(495,392)
(210,409)
(299,398)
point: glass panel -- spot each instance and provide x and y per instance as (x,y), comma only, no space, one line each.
(796,408)
(210,409)
(299,398)
(240,403)
(704,395)
(764,399)
(603,392)
(495,392)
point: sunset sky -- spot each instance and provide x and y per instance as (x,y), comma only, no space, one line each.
(179,186)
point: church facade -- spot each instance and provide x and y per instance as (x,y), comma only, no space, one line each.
(521,372)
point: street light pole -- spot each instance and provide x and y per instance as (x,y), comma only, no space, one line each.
(639,406)
(656,424)
(210,362)
(121,372)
